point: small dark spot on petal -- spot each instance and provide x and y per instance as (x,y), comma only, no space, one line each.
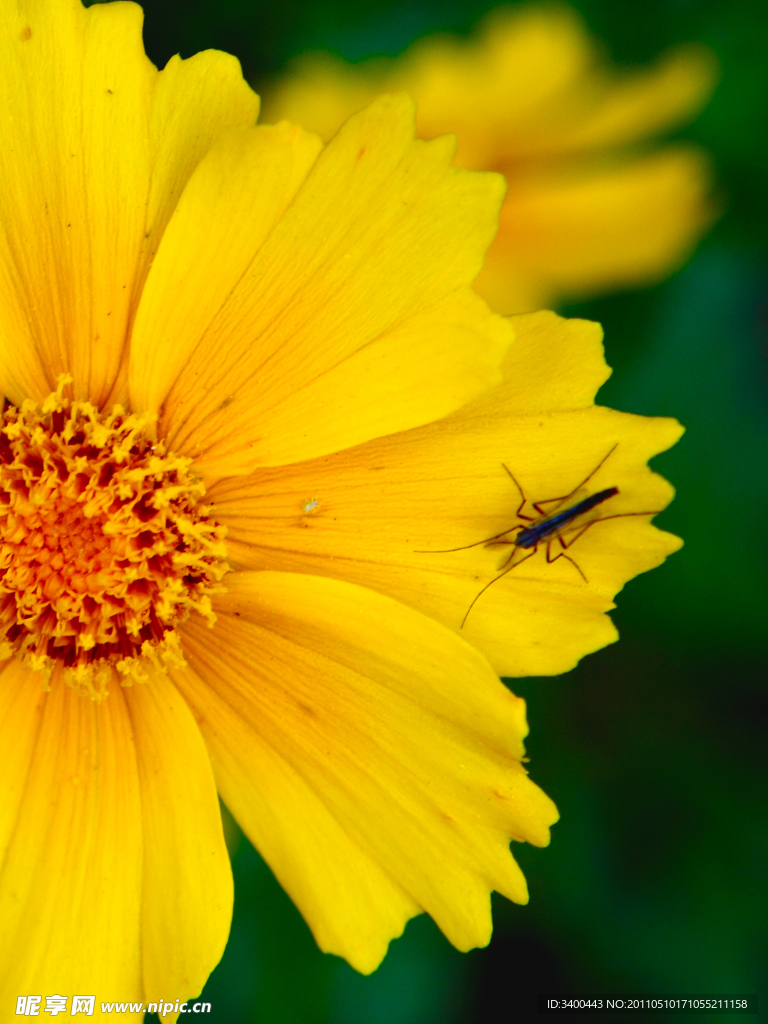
(25,34)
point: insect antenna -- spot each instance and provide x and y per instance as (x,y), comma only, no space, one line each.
(477,543)
(496,536)
(589,477)
(495,579)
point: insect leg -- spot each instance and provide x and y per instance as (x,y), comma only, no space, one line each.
(519,514)
(496,580)
(589,477)
(618,515)
(621,515)
(565,544)
(549,501)
(545,501)
(562,554)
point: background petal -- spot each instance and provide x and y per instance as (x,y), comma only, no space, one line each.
(531,85)
(576,231)
(639,105)
(532,96)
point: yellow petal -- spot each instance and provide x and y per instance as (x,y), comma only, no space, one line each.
(195,100)
(479,89)
(554,364)
(531,96)
(187,893)
(22,707)
(575,233)
(320,92)
(71,881)
(532,84)
(642,104)
(376,514)
(366,261)
(75,92)
(339,701)
(85,180)
(110,828)
(228,209)
(307,847)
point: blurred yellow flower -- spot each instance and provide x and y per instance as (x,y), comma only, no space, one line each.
(248,383)
(532,97)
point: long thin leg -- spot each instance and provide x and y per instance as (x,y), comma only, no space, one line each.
(522,494)
(545,501)
(566,544)
(602,519)
(622,515)
(588,478)
(549,501)
(575,564)
(562,554)
(495,580)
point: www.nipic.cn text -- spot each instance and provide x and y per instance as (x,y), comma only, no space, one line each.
(33,1006)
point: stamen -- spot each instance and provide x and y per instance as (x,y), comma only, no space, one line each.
(105,547)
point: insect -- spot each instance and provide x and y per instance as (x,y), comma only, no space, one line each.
(548,527)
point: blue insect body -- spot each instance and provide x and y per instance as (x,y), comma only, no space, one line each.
(549,527)
(552,526)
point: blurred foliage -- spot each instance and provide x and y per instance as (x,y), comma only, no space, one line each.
(653,748)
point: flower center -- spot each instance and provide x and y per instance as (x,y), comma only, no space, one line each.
(104,546)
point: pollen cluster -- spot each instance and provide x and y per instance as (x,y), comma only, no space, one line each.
(105,547)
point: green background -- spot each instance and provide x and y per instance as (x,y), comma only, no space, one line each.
(653,749)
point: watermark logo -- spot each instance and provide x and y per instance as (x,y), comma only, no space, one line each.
(30,1006)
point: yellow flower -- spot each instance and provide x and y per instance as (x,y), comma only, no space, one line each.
(533,98)
(249,389)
